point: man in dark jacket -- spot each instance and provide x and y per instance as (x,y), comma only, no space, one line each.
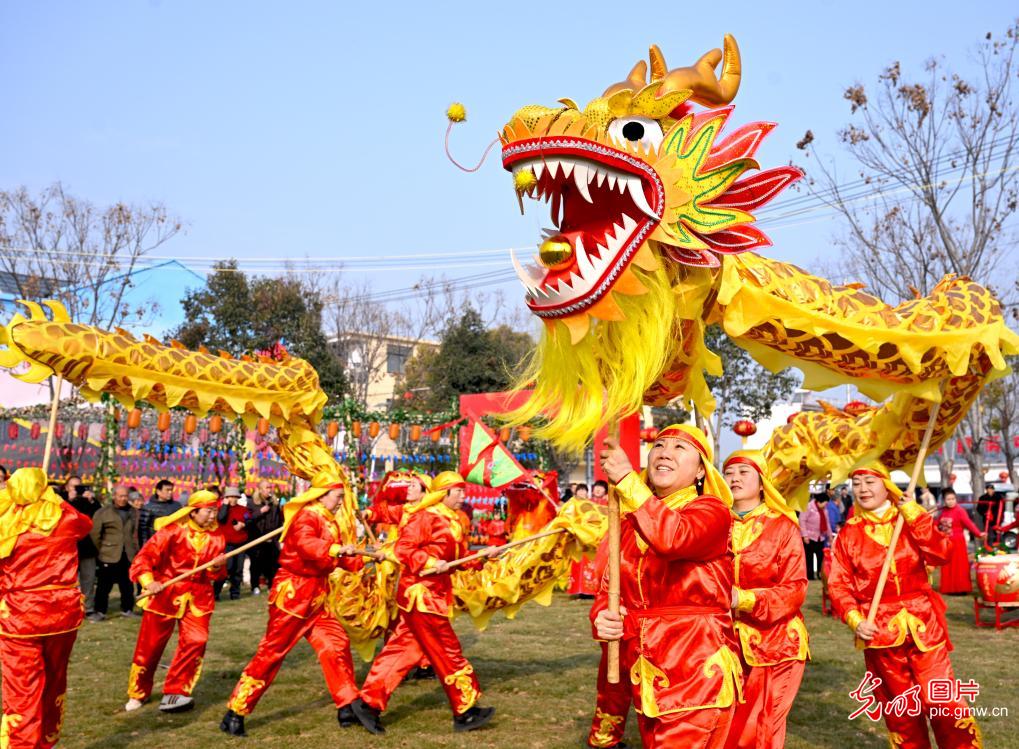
(266,516)
(113,533)
(233,518)
(85,502)
(161,505)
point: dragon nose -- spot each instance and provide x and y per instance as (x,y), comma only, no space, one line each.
(555,252)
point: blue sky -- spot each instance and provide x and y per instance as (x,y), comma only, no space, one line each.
(299,129)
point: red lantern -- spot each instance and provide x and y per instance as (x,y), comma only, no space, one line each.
(744,428)
(1003,475)
(165,435)
(12,431)
(263,427)
(504,434)
(36,430)
(333,429)
(58,432)
(190,424)
(436,435)
(394,431)
(203,435)
(408,396)
(355,429)
(82,431)
(524,433)
(103,434)
(163,422)
(855,408)
(415,432)
(146,434)
(134,418)
(123,433)
(373,429)
(216,424)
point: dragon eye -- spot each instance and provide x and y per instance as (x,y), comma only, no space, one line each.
(642,130)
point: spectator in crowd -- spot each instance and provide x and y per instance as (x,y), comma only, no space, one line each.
(113,533)
(72,488)
(233,518)
(847,503)
(85,502)
(600,493)
(581,491)
(266,516)
(988,507)
(161,505)
(816,533)
(3,477)
(831,506)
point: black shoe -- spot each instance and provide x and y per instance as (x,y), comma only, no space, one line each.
(423,672)
(232,724)
(473,719)
(367,716)
(345,717)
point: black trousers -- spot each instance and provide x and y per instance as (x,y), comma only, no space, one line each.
(108,575)
(264,563)
(234,573)
(814,551)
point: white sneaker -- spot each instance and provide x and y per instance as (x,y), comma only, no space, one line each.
(256,592)
(176,703)
(133,704)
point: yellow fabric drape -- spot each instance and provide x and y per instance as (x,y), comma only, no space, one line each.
(27,504)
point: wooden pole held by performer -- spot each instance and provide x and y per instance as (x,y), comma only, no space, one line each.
(615,532)
(504,547)
(372,538)
(901,521)
(48,451)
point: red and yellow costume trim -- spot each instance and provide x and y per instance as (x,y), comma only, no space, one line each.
(911,645)
(179,545)
(41,607)
(771,585)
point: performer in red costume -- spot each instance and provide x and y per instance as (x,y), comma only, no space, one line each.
(41,607)
(397,490)
(954,520)
(675,618)
(771,585)
(184,540)
(311,550)
(432,534)
(907,646)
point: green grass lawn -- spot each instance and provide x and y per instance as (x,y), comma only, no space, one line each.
(538,671)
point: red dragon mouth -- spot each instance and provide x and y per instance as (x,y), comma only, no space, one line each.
(604,202)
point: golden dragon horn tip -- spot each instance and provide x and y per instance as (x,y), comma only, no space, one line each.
(34,309)
(58,309)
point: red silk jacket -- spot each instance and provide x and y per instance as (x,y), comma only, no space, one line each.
(676,570)
(307,557)
(174,550)
(428,536)
(39,592)
(771,582)
(909,607)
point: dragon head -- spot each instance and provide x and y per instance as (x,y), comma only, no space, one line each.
(644,195)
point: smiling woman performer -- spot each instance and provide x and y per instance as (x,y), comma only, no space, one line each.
(676,580)
(771,584)
(907,645)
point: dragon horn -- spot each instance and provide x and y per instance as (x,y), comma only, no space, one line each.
(700,77)
(635,81)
